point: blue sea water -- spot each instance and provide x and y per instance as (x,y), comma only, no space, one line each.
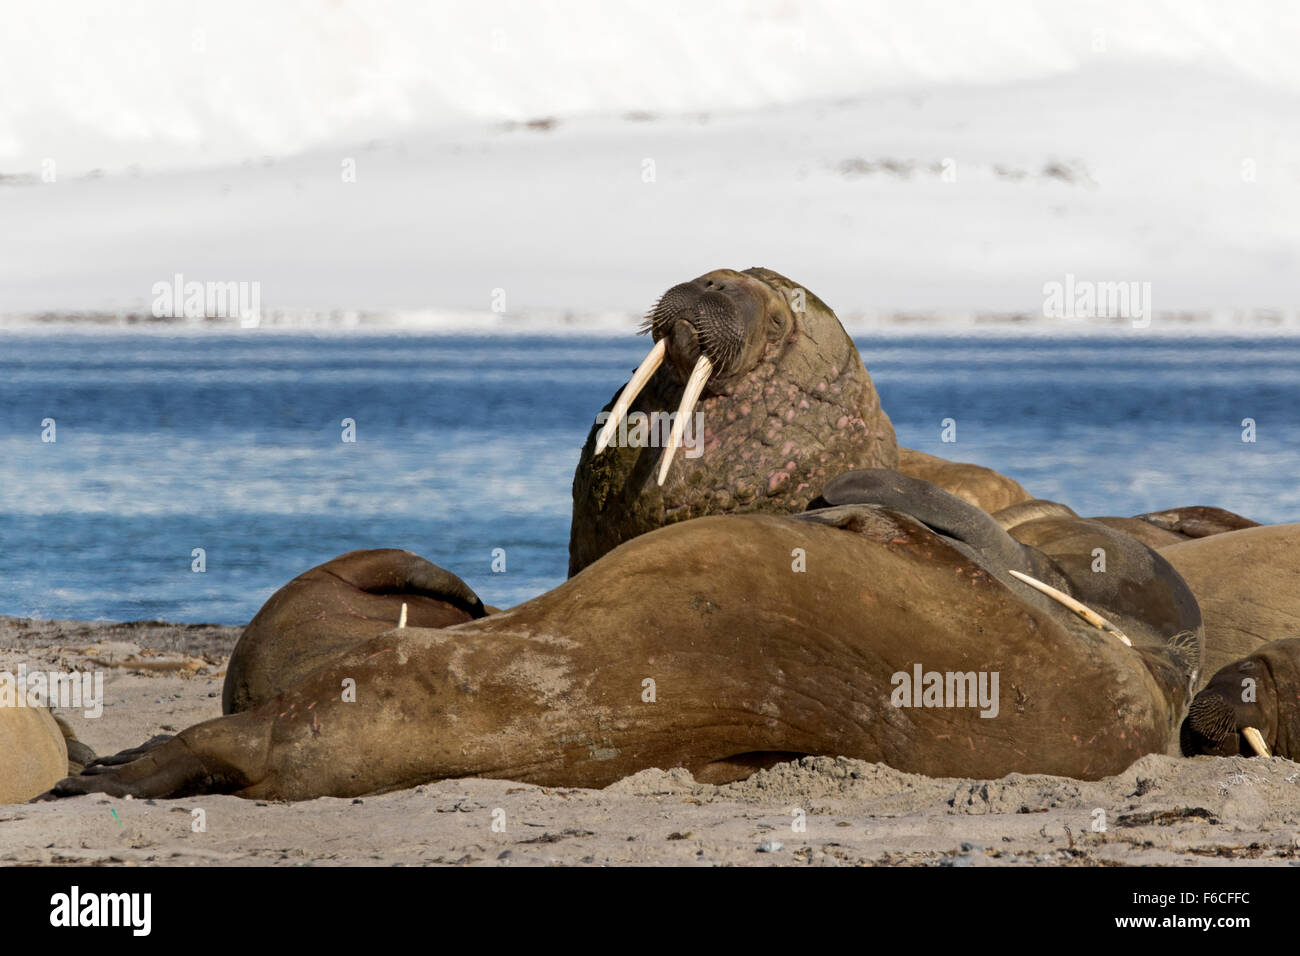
(231,442)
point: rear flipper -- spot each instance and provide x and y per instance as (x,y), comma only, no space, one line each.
(1198,521)
(939,510)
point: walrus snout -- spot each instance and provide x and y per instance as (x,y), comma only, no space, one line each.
(710,327)
(1236,713)
(704,317)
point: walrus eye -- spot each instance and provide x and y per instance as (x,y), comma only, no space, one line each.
(777,326)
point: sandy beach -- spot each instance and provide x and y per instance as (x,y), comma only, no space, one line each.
(822,811)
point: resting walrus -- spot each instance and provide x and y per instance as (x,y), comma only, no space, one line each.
(1136,591)
(1251,707)
(37,749)
(1247,583)
(753,639)
(333,607)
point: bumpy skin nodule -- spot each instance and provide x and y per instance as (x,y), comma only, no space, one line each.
(1221,711)
(752,662)
(333,607)
(774,432)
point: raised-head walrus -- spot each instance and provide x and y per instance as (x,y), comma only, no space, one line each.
(335,606)
(1249,707)
(759,377)
(852,630)
(1247,583)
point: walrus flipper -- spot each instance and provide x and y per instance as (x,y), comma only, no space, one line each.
(939,510)
(171,770)
(79,754)
(1198,521)
(101,764)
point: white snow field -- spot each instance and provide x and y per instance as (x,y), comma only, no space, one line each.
(422,164)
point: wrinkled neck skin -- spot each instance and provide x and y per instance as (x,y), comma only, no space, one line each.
(805,413)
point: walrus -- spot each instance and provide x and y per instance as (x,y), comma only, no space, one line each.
(1126,585)
(1247,583)
(33,753)
(782,396)
(720,644)
(37,749)
(983,487)
(1250,707)
(335,606)
(784,403)
(1155,529)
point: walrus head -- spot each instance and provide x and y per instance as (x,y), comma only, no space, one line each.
(751,397)
(1249,708)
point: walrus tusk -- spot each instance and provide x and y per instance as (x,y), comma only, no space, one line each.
(401,621)
(1256,741)
(694,386)
(630,391)
(1085,612)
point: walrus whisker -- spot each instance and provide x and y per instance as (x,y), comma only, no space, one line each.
(1085,612)
(694,386)
(401,621)
(1256,741)
(630,391)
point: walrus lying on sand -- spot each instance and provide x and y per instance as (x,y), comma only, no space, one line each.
(37,749)
(1247,583)
(895,621)
(1245,576)
(333,607)
(1250,707)
(721,644)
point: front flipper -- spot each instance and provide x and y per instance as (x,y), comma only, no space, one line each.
(224,755)
(167,771)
